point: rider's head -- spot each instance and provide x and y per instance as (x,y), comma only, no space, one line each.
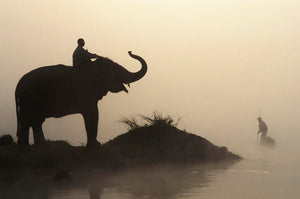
(80,42)
(259,118)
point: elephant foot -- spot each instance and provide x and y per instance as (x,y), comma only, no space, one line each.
(94,145)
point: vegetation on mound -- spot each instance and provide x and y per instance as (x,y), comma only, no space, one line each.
(155,119)
(157,141)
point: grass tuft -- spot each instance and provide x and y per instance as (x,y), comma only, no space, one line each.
(153,120)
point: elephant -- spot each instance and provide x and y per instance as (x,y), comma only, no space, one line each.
(60,90)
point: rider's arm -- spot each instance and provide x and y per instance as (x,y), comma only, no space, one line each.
(91,55)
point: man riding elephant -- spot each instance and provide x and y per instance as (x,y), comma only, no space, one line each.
(82,57)
(59,90)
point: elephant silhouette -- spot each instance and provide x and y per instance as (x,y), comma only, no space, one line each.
(59,90)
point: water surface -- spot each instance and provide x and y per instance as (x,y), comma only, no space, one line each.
(264,173)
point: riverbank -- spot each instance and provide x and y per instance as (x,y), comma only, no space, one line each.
(159,143)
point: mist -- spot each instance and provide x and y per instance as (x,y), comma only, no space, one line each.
(213,64)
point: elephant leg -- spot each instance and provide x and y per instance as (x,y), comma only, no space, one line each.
(23,135)
(91,125)
(38,135)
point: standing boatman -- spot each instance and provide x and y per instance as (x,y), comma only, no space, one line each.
(262,127)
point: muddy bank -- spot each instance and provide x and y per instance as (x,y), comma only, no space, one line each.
(148,145)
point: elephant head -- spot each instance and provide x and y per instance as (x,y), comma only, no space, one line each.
(56,91)
(117,75)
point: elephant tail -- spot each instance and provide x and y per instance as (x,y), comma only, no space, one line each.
(17,100)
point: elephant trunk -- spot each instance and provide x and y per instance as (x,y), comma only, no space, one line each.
(132,77)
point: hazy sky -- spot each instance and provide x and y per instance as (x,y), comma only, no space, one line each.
(214,63)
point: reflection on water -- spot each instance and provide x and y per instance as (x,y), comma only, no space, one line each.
(162,182)
(262,174)
(165,182)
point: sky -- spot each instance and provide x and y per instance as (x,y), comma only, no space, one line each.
(214,64)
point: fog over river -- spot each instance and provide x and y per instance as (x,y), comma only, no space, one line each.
(214,64)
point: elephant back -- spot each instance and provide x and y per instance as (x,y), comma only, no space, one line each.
(43,75)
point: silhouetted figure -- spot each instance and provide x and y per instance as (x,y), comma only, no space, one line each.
(262,127)
(81,56)
(57,91)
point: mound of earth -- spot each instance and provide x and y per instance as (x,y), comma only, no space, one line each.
(166,143)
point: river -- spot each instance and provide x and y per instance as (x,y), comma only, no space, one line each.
(263,173)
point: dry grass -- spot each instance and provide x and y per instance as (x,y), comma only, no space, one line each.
(133,123)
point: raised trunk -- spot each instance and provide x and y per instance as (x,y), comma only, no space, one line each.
(132,77)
